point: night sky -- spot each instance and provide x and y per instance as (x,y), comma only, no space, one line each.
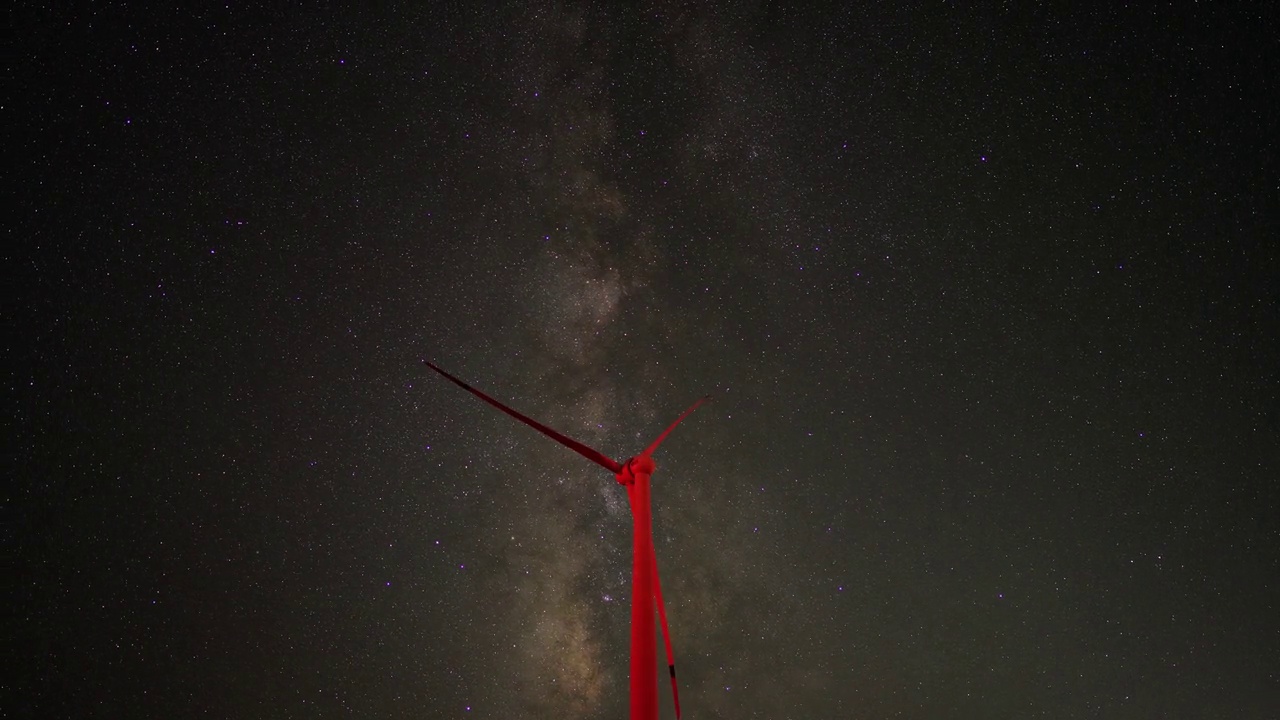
(988,298)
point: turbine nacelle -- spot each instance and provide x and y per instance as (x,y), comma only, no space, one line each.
(638,465)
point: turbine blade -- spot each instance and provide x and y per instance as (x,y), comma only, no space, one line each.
(666,632)
(649,450)
(591,454)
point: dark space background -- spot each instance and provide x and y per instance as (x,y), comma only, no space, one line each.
(988,298)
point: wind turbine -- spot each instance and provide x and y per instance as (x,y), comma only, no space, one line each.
(646,592)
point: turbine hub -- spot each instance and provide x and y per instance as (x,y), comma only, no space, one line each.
(638,465)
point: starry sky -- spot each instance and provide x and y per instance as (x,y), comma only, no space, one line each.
(988,298)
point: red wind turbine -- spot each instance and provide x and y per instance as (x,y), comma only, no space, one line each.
(646,591)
